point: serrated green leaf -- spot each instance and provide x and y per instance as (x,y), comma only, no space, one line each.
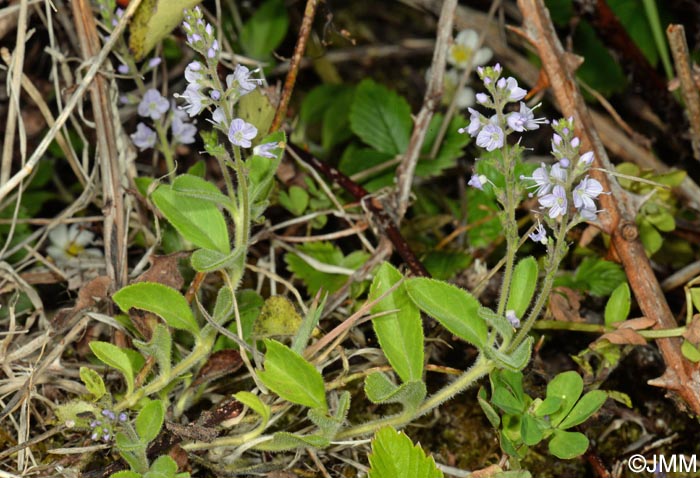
(265,29)
(197,220)
(400,333)
(584,408)
(291,377)
(455,308)
(153,21)
(149,421)
(159,347)
(394,455)
(567,445)
(523,285)
(618,307)
(283,441)
(163,301)
(381,118)
(93,382)
(116,358)
(568,387)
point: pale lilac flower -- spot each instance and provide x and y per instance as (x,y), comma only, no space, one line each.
(192,72)
(584,194)
(564,162)
(539,234)
(123,417)
(586,159)
(575,142)
(474,123)
(555,201)
(194,100)
(482,98)
(123,69)
(155,61)
(463,49)
(144,137)
(543,182)
(477,181)
(558,173)
(153,104)
(510,84)
(241,81)
(512,318)
(218,116)
(265,150)
(183,132)
(213,49)
(215,95)
(524,119)
(240,133)
(490,137)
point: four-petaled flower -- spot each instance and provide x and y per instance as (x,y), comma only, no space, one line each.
(510,84)
(584,194)
(461,51)
(542,180)
(144,137)
(265,150)
(194,100)
(539,234)
(240,133)
(183,132)
(241,81)
(153,105)
(524,119)
(555,201)
(490,137)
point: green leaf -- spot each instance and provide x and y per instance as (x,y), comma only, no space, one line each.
(690,351)
(498,322)
(197,220)
(265,30)
(454,308)
(295,201)
(567,445)
(595,276)
(125,474)
(394,455)
(331,424)
(308,324)
(568,387)
(149,421)
(443,265)
(516,360)
(523,285)
(548,406)
(618,307)
(650,237)
(291,377)
(132,451)
(116,358)
(93,382)
(400,333)
(531,430)
(507,391)
(490,412)
(587,406)
(159,347)
(336,119)
(283,441)
(381,118)
(253,402)
(207,260)
(483,213)
(379,389)
(163,301)
(153,21)
(601,72)
(257,109)
(162,467)
(326,253)
(199,188)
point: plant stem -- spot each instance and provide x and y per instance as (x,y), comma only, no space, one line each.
(480,368)
(552,265)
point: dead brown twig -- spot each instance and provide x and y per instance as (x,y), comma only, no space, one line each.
(618,219)
(304,31)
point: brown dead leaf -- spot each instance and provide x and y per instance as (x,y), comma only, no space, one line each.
(565,305)
(624,336)
(219,364)
(164,270)
(88,295)
(636,324)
